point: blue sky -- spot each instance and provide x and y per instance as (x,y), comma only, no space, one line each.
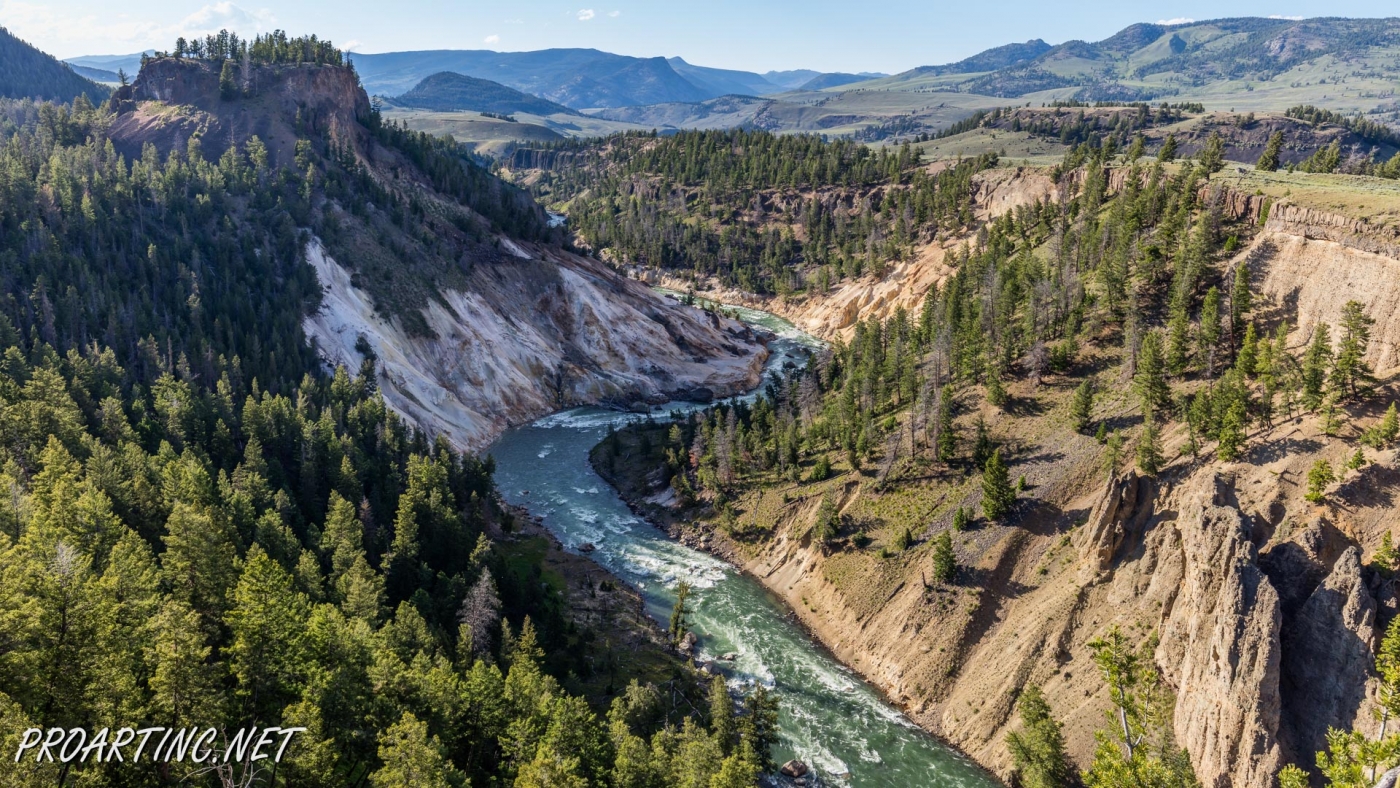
(757,35)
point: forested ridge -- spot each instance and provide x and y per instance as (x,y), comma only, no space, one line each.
(1137,290)
(25,72)
(762,212)
(204,527)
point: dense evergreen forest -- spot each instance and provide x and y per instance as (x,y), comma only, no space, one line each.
(25,72)
(204,527)
(762,212)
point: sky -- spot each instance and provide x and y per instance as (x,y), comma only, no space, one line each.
(756,35)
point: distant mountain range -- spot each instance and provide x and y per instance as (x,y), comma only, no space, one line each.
(111,64)
(25,72)
(1253,64)
(446,91)
(577,78)
(1145,62)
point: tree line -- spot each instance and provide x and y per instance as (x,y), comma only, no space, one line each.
(762,212)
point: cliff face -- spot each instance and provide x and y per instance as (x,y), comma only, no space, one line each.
(834,314)
(535,331)
(1266,631)
(173,99)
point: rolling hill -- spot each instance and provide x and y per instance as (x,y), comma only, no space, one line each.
(446,92)
(721,81)
(96,74)
(1222,59)
(25,72)
(130,63)
(576,78)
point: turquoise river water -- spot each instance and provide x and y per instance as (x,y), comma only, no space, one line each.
(829,717)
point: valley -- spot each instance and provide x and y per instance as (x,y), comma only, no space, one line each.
(562,418)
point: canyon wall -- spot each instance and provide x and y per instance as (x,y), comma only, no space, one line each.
(539,330)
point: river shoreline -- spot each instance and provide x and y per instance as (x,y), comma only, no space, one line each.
(717,545)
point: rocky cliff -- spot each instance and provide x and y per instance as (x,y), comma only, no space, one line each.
(1265,627)
(538,330)
(174,99)
(1311,263)
(834,314)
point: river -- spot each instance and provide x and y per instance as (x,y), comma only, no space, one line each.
(829,717)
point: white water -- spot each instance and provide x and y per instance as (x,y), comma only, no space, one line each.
(829,718)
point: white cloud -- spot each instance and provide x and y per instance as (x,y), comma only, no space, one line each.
(1180,20)
(1290,18)
(352,45)
(70,35)
(491,39)
(227,16)
(614,14)
(585,14)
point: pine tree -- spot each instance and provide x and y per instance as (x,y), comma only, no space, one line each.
(1356,461)
(1384,432)
(998,496)
(1136,150)
(1113,451)
(680,614)
(1178,341)
(1315,363)
(268,622)
(982,446)
(945,561)
(1232,433)
(1168,151)
(1149,452)
(1082,406)
(1038,749)
(1319,476)
(960,519)
(1350,372)
(1247,359)
(228,82)
(996,392)
(1138,747)
(722,725)
(1150,379)
(1386,559)
(412,758)
(1269,160)
(758,728)
(1212,155)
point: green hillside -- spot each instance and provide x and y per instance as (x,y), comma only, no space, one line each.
(447,91)
(25,72)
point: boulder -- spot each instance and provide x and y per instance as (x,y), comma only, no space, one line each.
(794,768)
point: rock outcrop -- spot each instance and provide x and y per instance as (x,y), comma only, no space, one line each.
(538,330)
(173,100)
(1220,647)
(1313,278)
(1328,646)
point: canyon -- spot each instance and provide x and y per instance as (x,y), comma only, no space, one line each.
(1260,607)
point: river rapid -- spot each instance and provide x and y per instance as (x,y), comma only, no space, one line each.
(829,718)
